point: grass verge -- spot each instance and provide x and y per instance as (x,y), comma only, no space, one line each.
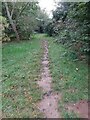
(70,78)
(21,66)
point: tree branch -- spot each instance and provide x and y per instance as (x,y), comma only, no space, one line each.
(23,8)
(12,10)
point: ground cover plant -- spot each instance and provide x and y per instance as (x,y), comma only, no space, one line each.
(70,78)
(21,67)
(44,59)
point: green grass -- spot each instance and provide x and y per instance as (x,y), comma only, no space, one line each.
(21,69)
(70,78)
(21,66)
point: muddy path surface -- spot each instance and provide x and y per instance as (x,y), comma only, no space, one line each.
(81,108)
(49,104)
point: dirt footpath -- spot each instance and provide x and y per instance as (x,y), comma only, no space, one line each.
(49,104)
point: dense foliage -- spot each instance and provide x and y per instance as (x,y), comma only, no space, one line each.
(71,25)
(23,18)
(3,25)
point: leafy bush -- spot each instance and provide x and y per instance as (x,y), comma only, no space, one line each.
(71,26)
(3,25)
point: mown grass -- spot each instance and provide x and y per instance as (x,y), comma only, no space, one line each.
(21,69)
(70,78)
(21,66)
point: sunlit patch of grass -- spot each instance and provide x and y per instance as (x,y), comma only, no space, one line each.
(21,66)
(70,77)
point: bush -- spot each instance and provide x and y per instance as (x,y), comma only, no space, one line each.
(3,25)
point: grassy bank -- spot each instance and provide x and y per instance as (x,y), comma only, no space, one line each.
(21,69)
(70,78)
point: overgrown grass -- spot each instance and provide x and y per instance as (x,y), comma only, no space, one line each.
(21,69)
(70,78)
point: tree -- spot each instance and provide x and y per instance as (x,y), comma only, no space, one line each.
(22,18)
(11,21)
(42,21)
(71,24)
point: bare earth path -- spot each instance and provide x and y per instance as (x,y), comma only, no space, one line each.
(49,104)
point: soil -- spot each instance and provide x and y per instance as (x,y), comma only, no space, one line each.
(81,108)
(49,104)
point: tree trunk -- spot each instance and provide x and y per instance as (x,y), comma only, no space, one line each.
(11,21)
